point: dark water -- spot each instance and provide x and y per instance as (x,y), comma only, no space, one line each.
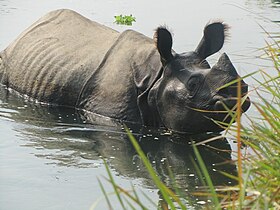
(51,159)
(47,152)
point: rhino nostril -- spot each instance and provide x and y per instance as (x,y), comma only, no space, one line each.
(231,91)
(224,104)
(224,92)
(244,88)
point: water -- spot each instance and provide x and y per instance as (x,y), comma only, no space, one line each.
(51,159)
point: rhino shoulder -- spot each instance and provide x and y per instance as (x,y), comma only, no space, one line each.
(56,54)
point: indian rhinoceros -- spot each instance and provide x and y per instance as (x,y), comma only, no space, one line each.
(69,60)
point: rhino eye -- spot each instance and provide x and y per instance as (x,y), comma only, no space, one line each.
(193,85)
(204,64)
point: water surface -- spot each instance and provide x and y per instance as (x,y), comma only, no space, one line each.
(51,159)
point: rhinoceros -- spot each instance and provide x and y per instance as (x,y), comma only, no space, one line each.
(68,60)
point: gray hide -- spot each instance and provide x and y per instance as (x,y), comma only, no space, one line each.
(61,55)
(53,58)
(69,60)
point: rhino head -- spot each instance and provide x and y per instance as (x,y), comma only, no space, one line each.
(187,95)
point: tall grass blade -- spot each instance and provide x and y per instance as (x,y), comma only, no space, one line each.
(207,178)
(238,134)
(166,192)
(105,195)
(114,184)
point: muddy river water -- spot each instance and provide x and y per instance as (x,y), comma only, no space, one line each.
(50,159)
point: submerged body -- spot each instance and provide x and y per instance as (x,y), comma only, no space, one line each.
(69,60)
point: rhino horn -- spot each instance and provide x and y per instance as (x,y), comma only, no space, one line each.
(224,64)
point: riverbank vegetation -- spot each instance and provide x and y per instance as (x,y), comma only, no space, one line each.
(257,156)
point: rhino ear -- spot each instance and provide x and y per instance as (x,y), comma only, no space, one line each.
(212,40)
(163,41)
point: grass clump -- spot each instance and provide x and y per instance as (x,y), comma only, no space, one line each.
(262,162)
(259,166)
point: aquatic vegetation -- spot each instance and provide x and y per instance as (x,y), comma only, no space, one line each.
(124,19)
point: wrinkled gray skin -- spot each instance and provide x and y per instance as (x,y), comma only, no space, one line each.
(66,59)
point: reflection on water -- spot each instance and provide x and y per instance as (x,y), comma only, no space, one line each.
(5,7)
(62,138)
(264,3)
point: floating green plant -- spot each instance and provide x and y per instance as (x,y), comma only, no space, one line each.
(124,19)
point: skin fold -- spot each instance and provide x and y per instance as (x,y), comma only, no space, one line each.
(68,60)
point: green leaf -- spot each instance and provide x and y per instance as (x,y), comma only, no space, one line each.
(124,19)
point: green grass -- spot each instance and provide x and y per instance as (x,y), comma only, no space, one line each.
(258,170)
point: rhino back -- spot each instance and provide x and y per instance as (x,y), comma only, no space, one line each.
(128,69)
(54,57)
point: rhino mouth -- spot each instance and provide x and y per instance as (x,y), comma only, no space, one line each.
(227,99)
(226,104)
